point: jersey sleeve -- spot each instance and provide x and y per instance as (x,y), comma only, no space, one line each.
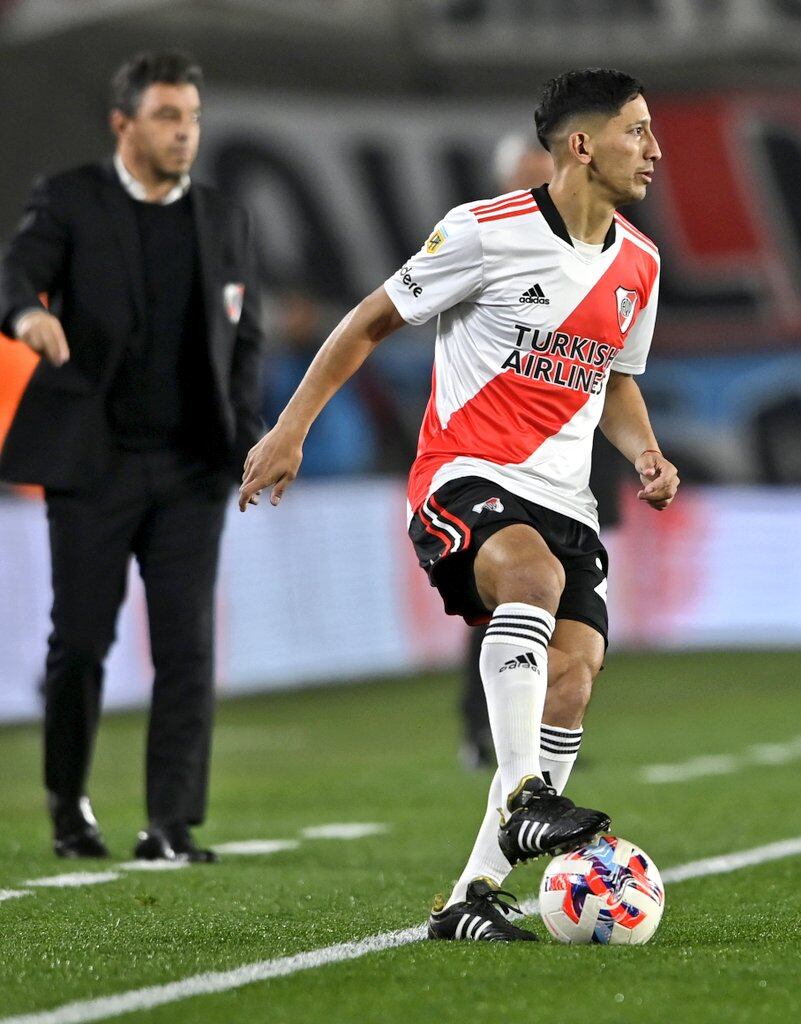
(634,354)
(448,269)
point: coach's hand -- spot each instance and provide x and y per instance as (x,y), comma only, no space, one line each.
(43,333)
(660,479)
(272,462)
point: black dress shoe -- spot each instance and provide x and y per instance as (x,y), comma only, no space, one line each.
(76,830)
(171,842)
(81,844)
(153,845)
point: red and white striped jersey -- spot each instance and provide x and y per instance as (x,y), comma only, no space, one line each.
(528,331)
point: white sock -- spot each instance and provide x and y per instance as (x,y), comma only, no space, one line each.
(514,670)
(558,752)
(486,859)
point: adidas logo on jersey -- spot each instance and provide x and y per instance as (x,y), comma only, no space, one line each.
(490,505)
(521,661)
(535,294)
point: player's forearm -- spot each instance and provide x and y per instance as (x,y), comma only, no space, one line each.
(343,352)
(625,421)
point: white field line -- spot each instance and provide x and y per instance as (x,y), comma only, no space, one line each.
(344,830)
(73,879)
(153,865)
(733,861)
(246,847)
(758,755)
(223,981)
(251,847)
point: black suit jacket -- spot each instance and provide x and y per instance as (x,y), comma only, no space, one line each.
(79,244)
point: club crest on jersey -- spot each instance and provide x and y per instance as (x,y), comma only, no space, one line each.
(626,304)
(233,297)
(436,240)
(490,505)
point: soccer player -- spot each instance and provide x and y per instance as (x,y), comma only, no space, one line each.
(546,302)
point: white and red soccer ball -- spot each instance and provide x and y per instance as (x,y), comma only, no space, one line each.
(608,891)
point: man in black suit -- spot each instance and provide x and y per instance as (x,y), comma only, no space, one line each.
(136,422)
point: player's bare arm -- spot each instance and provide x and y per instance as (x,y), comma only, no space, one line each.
(274,462)
(626,425)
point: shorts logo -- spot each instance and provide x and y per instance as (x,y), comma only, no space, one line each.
(490,505)
(233,297)
(436,241)
(626,304)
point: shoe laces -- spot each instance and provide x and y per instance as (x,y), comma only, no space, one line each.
(493,899)
(561,803)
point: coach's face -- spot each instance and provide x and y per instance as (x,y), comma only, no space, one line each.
(164,133)
(624,153)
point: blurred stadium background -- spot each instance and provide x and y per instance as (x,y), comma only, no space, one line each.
(349,127)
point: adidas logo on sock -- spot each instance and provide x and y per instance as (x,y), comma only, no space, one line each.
(521,661)
(535,294)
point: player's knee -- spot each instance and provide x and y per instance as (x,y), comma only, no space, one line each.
(538,582)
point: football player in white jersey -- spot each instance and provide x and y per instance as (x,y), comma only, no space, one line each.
(546,301)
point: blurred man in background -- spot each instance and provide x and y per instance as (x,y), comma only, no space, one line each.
(144,402)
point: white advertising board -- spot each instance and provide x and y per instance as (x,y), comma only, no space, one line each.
(326,588)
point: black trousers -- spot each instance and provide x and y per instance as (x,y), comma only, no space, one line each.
(167,510)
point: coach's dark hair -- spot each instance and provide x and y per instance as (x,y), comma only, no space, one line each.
(589,91)
(145,69)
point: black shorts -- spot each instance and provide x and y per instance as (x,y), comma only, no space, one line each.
(454,522)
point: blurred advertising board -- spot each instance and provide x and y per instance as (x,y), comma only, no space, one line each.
(344,190)
(327,589)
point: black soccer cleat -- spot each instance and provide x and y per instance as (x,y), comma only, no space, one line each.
(482,916)
(541,821)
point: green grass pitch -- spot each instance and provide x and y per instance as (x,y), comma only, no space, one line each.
(728,948)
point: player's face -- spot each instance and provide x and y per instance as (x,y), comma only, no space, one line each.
(165,131)
(624,153)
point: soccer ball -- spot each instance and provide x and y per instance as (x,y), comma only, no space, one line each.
(608,891)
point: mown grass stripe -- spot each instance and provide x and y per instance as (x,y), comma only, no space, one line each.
(83,1011)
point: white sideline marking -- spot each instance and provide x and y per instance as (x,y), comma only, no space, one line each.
(86,1010)
(733,861)
(153,865)
(761,754)
(219,981)
(76,878)
(343,830)
(13,894)
(248,847)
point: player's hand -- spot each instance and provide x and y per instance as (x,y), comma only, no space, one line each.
(273,462)
(660,480)
(43,333)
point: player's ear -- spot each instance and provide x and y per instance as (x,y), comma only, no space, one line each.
(579,142)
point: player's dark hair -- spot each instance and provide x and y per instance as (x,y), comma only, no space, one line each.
(146,69)
(588,91)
